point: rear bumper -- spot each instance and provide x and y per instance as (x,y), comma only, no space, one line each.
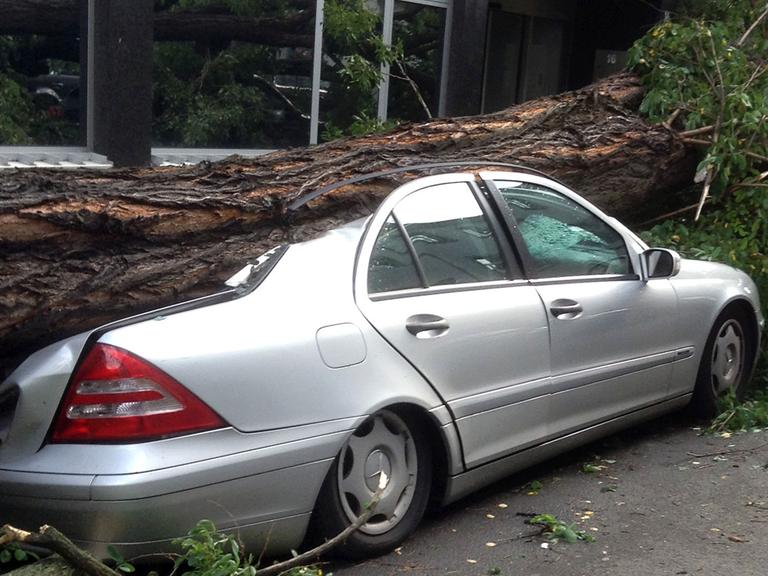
(275,504)
(265,493)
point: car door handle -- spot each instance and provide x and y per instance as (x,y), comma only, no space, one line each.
(565,309)
(427,325)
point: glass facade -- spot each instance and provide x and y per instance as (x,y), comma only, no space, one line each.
(40,97)
(414,80)
(243,75)
(350,66)
(249,74)
(257,75)
(232,74)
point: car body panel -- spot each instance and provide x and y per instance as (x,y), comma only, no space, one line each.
(704,290)
(632,328)
(298,364)
(41,379)
(272,507)
(463,484)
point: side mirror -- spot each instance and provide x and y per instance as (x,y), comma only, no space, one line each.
(660,263)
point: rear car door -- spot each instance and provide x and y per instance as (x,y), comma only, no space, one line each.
(612,334)
(436,281)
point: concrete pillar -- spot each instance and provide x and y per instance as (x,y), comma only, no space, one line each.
(121,98)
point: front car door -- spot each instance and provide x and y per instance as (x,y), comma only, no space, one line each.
(613,335)
(438,282)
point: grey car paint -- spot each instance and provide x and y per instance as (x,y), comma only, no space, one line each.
(295,366)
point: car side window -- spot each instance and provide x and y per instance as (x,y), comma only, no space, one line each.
(451,242)
(391,266)
(562,237)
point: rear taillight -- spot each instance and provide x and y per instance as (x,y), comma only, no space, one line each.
(117,397)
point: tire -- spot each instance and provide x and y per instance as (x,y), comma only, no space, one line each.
(399,446)
(726,363)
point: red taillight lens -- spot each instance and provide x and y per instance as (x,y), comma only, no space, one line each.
(117,397)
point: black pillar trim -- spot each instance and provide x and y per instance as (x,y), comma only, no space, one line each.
(83,100)
(466,57)
(122,80)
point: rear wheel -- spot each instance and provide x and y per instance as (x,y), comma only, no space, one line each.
(726,363)
(385,442)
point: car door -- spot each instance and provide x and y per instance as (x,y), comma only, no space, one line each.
(612,334)
(436,282)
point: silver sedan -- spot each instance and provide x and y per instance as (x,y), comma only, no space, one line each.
(477,323)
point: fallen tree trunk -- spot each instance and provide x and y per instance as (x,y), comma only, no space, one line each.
(81,248)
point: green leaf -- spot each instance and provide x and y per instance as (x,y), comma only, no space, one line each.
(19,555)
(114,554)
(569,535)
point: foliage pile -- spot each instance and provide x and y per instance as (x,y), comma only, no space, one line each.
(705,73)
(735,416)
(207,552)
(204,552)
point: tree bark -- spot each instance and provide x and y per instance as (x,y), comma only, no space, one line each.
(61,17)
(50,566)
(80,248)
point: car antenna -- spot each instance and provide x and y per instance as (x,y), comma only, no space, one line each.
(306,198)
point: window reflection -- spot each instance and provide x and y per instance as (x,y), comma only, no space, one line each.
(239,78)
(391,266)
(451,235)
(40,87)
(415,78)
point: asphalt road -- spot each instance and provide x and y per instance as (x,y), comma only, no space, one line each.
(664,500)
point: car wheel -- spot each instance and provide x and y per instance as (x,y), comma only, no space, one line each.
(384,442)
(726,363)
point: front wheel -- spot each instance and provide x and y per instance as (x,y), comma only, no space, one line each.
(726,363)
(385,442)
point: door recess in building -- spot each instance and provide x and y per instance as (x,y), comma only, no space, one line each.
(523,59)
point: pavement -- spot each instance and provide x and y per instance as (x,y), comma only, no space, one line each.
(660,499)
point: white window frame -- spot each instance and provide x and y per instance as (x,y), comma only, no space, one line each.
(383,88)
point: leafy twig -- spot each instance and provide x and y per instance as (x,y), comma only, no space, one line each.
(668,215)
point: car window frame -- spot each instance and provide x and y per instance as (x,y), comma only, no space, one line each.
(633,248)
(365,249)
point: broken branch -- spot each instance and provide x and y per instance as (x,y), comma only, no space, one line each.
(754,25)
(51,539)
(697,131)
(311,555)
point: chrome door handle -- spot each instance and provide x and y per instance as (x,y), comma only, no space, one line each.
(565,309)
(427,325)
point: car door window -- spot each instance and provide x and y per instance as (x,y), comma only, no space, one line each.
(562,237)
(451,242)
(391,266)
